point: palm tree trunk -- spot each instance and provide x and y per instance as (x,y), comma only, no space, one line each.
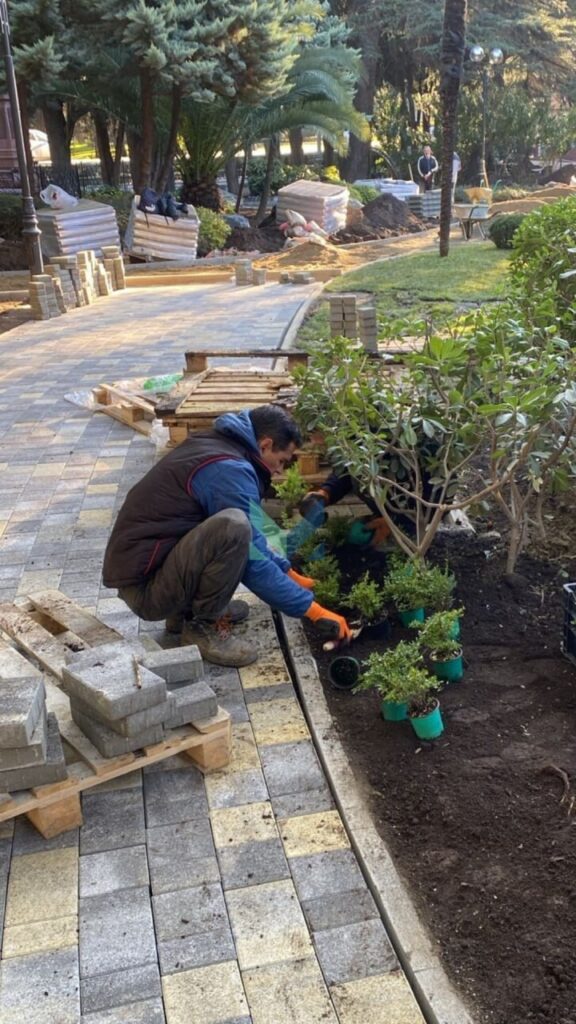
(242,179)
(296,146)
(147,114)
(103,146)
(118,151)
(453,41)
(57,131)
(272,152)
(166,167)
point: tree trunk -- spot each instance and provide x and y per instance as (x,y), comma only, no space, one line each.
(23,100)
(103,147)
(147,115)
(272,153)
(358,163)
(163,175)
(453,41)
(57,132)
(296,146)
(134,140)
(242,180)
(329,156)
(231,171)
(118,152)
(202,192)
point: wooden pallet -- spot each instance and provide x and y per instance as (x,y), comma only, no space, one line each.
(206,392)
(129,409)
(47,626)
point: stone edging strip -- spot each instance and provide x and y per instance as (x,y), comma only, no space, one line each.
(438,1001)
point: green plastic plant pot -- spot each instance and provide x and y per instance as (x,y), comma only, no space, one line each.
(358,534)
(430,726)
(393,711)
(450,671)
(455,631)
(344,672)
(414,615)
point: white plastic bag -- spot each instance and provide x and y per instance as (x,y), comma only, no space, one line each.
(57,198)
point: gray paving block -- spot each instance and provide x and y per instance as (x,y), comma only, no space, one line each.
(354,951)
(148,1011)
(191,951)
(189,912)
(131,725)
(181,856)
(112,820)
(40,987)
(116,932)
(253,863)
(33,753)
(53,769)
(5,858)
(110,743)
(108,681)
(21,703)
(291,768)
(323,874)
(110,991)
(293,805)
(174,795)
(338,909)
(113,870)
(237,788)
(193,703)
(28,839)
(178,666)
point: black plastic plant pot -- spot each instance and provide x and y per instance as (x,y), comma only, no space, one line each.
(344,672)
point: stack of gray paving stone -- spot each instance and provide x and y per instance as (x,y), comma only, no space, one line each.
(30,749)
(124,697)
(76,280)
(368,327)
(343,316)
(243,272)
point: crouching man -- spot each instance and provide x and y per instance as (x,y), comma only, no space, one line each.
(185,537)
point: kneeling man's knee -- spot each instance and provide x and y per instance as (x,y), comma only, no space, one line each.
(237,523)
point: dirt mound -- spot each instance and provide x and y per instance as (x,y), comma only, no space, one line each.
(308,254)
(263,239)
(381,218)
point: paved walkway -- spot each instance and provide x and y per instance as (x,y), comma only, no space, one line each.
(183,900)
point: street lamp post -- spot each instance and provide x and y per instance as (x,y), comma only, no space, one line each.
(30,230)
(479,56)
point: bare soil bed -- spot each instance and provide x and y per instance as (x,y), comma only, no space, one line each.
(482,822)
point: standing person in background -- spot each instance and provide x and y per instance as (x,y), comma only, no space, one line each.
(427,167)
(456,168)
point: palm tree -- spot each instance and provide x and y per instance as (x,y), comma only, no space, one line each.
(453,39)
(317,96)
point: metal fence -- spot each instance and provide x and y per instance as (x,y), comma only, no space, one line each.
(79,178)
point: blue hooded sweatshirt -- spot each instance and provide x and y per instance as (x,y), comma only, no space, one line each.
(232,483)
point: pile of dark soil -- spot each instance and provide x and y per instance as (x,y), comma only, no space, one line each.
(266,238)
(482,822)
(382,218)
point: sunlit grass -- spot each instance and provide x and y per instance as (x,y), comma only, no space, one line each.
(83,151)
(423,285)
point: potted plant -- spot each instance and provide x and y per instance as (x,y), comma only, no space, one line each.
(405,687)
(367,599)
(405,587)
(436,637)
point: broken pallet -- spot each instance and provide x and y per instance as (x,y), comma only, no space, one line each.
(129,409)
(47,626)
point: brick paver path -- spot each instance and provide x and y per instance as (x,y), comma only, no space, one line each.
(181,900)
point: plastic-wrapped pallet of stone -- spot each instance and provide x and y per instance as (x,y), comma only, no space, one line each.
(391,186)
(88,225)
(151,234)
(315,201)
(124,697)
(30,748)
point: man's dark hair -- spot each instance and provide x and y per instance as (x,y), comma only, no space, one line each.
(274,422)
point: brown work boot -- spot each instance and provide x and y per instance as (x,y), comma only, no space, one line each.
(217,644)
(235,611)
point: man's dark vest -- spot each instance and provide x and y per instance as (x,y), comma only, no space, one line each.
(161,508)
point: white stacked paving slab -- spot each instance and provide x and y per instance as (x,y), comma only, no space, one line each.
(88,225)
(315,200)
(151,234)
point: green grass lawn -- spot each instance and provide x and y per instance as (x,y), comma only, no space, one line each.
(422,285)
(83,151)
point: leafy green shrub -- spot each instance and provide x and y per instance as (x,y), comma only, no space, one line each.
(415,584)
(214,230)
(543,267)
(503,228)
(363,193)
(327,592)
(282,174)
(367,597)
(501,193)
(335,531)
(11,217)
(436,634)
(399,675)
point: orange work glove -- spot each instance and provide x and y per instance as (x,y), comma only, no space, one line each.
(311,499)
(380,530)
(319,615)
(303,581)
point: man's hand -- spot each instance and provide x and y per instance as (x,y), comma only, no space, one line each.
(312,506)
(380,530)
(333,624)
(373,532)
(303,581)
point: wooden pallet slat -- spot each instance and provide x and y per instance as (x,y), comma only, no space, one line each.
(125,407)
